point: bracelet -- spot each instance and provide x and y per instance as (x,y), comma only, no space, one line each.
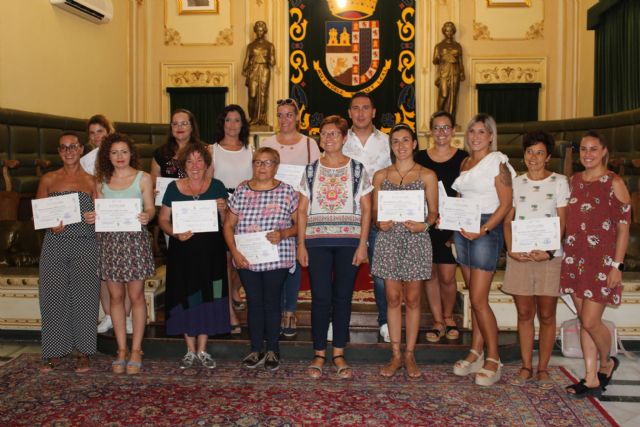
(427,226)
(551,255)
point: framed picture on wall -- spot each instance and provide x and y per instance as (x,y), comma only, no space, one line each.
(187,7)
(508,3)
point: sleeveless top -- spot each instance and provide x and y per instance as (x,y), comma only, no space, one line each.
(131,192)
(446,171)
(169,168)
(232,167)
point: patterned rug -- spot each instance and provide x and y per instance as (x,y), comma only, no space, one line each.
(164,395)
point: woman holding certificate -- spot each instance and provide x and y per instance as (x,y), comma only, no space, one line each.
(533,277)
(402,254)
(231,162)
(260,232)
(445,160)
(126,259)
(333,226)
(196,300)
(68,284)
(596,239)
(485,178)
(296,151)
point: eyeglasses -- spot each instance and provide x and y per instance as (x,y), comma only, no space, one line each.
(442,128)
(267,163)
(287,115)
(286,101)
(180,124)
(330,134)
(68,148)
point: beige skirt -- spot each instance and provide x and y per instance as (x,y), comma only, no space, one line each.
(532,278)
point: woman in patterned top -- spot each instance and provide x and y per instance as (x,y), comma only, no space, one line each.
(263,205)
(533,278)
(596,239)
(333,226)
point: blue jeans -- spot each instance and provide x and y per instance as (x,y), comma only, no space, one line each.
(263,289)
(333,278)
(378,283)
(290,290)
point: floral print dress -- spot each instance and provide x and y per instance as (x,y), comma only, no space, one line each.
(593,214)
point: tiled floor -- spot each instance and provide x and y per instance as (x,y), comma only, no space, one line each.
(621,400)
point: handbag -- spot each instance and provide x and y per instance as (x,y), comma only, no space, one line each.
(570,338)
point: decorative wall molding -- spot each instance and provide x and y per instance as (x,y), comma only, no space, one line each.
(508,70)
(171,37)
(481,31)
(197,74)
(225,37)
(536,31)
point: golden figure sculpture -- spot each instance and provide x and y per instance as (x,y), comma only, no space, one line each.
(259,59)
(447,56)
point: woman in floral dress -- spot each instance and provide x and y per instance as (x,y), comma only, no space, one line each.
(597,235)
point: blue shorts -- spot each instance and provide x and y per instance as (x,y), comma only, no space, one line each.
(482,253)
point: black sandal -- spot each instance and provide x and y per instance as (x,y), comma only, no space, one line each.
(582,391)
(571,389)
(434,335)
(604,378)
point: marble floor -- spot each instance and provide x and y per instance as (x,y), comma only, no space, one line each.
(621,400)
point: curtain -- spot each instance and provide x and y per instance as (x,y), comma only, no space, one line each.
(206,103)
(509,102)
(617,58)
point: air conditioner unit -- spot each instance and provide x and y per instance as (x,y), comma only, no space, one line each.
(98,11)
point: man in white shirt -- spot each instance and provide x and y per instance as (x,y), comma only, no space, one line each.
(370,147)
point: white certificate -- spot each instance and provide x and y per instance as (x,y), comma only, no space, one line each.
(256,248)
(457,213)
(401,205)
(197,216)
(161,188)
(291,174)
(88,161)
(442,195)
(118,215)
(535,234)
(48,212)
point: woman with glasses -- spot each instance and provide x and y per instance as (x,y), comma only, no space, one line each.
(69,285)
(231,161)
(265,209)
(295,149)
(183,130)
(126,259)
(445,160)
(333,226)
(402,254)
(485,177)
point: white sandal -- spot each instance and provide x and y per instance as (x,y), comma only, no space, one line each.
(488,376)
(464,367)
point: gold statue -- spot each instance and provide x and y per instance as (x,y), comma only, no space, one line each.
(256,69)
(447,56)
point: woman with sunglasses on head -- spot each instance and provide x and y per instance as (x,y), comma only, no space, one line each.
(263,204)
(445,160)
(69,285)
(231,156)
(596,240)
(486,177)
(126,259)
(333,226)
(300,150)
(402,254)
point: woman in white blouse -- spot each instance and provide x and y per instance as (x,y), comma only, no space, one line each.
(533,278)
(485,176)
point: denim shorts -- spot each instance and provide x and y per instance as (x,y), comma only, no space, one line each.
(482,253)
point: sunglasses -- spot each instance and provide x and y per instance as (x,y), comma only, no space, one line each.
(286,101)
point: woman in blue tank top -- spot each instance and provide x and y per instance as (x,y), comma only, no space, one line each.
(126,258)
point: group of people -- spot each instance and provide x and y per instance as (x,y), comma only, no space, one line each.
(328,223)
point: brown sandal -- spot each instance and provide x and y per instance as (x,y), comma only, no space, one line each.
(133,367)
(83,363)
(389,370)
(50,364)
(410,365)
(118,365)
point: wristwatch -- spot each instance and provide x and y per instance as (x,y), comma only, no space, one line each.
(551,255)
(618,265)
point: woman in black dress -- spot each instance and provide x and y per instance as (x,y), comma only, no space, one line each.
(445,161)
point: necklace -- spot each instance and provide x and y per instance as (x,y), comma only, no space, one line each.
(402,177)
(196,196)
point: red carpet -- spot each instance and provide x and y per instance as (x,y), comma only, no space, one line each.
(164,395)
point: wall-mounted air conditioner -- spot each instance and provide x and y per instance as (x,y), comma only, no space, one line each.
(98,11)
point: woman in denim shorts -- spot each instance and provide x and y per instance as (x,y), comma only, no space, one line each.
(485,176)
